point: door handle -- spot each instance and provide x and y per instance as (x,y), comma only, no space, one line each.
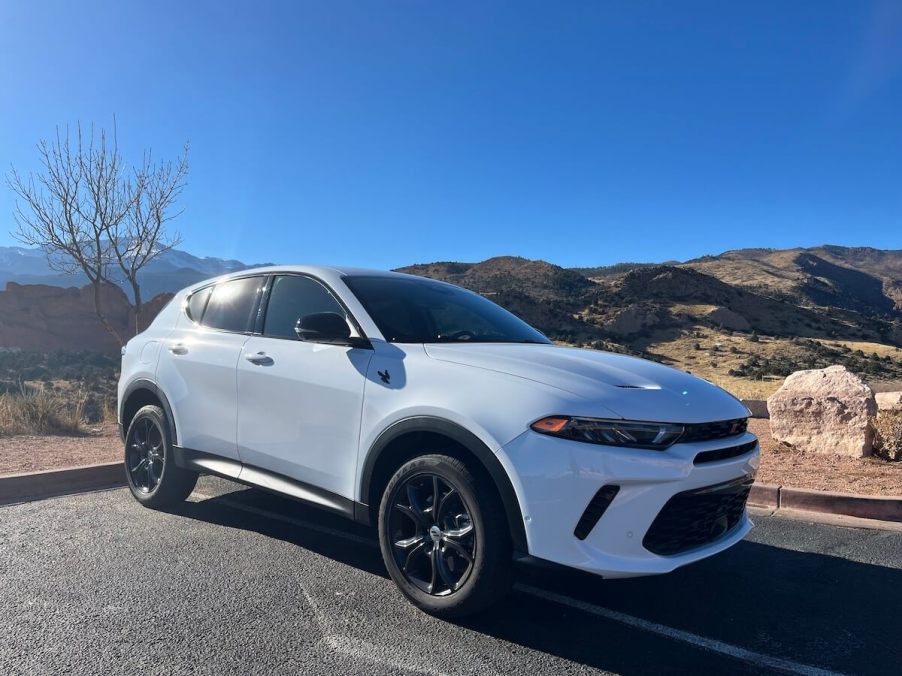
(178,348)
(260,359)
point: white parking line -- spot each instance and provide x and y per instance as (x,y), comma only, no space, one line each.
(728,649)
(702,642)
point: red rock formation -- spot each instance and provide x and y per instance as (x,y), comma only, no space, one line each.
(40,317)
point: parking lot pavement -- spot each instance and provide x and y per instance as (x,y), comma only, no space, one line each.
(238,581)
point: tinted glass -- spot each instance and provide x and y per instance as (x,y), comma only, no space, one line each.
(230,305)
(197,302)
(291,298)
(423,311)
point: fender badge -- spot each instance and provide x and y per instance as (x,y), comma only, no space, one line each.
(385,375)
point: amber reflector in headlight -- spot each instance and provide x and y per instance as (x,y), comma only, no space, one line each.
(611,432)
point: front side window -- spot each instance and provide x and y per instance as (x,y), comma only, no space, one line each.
(231,304)
(426,311)
(293,297)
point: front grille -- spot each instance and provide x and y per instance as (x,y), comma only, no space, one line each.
(724,453)
(714,430)
(595,509)
(694,518)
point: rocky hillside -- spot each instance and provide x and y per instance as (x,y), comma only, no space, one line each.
(751,316)
(636,301)
(42,317)
(854,278)
(862,279)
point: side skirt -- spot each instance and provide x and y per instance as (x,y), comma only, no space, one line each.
(256,477)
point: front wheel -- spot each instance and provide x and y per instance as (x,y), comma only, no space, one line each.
(443,536)
(153,477)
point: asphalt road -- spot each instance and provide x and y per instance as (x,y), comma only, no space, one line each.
(238,581)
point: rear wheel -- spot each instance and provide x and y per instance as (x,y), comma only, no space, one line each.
(153,477)
(443,536)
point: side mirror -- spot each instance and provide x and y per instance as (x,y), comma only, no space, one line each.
(326,327)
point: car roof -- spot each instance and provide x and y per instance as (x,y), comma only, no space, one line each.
(324,272)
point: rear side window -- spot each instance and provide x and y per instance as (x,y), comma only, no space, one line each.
(231,304)
(291,298)
(197,302)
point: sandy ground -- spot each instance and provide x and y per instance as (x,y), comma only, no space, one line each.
(824,472)
(779,465)
(29,453)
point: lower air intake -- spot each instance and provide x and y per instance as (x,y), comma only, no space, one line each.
(594,510)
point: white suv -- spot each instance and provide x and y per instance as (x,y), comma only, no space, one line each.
(462,432)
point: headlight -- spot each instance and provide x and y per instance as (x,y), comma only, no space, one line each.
(627,433)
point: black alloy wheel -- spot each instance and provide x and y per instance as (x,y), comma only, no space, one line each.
(433,537)
(444,536)
(145,454)
(154,479)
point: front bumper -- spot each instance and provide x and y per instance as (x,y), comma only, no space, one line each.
(555,479)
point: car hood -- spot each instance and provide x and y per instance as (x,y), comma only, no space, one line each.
(632,388)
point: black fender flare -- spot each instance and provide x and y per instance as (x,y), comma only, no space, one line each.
(153,388)
(469,441)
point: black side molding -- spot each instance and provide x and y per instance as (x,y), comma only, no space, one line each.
(257,477)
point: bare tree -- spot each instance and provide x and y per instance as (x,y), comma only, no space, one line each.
(143,236)
(90,213)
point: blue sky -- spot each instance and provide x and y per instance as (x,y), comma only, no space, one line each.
(388,133)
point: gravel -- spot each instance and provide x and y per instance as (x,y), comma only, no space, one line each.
(823,471)
(29,453)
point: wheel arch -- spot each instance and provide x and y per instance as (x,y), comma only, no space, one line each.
(403,440)
(143,392)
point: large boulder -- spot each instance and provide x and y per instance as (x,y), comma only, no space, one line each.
(889,401)
(824,411)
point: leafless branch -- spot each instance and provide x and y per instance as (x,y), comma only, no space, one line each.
(88,212)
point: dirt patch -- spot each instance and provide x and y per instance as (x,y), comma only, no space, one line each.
(823,472)
(30,453)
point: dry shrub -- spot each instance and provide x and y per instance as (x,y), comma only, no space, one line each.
(34,411)
(109,415)
(888,435)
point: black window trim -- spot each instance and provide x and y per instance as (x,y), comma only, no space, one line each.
(264,304)
(248,327)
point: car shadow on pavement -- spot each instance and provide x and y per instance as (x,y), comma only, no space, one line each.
(811,608)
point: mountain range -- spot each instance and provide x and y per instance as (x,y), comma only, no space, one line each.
(169,272)
(740,315)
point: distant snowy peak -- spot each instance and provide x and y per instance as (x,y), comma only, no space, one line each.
(168,272)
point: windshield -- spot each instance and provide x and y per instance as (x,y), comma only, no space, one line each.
(425,311)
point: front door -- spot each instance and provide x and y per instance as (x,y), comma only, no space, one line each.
(299,403)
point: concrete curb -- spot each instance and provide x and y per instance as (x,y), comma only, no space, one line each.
(49,483)
(765,495)
(771,496)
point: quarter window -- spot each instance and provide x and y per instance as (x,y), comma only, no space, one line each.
(293,297)
(197,302)
(231,304)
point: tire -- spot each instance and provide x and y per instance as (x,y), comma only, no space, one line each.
(465,565)
(153,477)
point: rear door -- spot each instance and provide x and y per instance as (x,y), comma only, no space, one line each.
(198,362)
(299,403)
